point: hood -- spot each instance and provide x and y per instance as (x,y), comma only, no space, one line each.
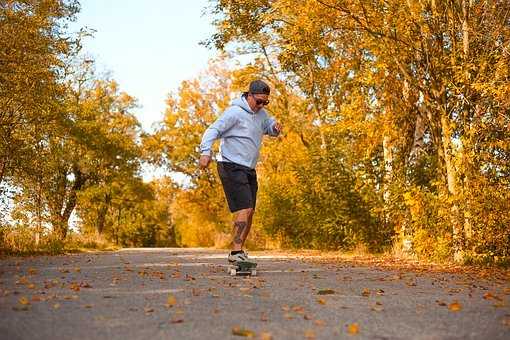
(243,104)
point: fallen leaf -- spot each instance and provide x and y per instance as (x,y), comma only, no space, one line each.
(74,286)
(441,303)
(455,306)
(32,271)
(366,292)
(489,296)
(56,306)
(298,309)
(70,297)
(23,300)
(326,292)
(353,329)
(242,332)
(266,336)
(31,286)
(321,301)
(171,300)
(22,281)
(309,334)
(177,320)
(320,322)
(148,310)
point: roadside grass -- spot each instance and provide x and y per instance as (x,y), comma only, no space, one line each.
(24,242)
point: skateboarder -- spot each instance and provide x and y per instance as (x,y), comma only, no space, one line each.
(240,129)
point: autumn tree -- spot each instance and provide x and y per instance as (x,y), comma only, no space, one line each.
(405,84)
(33,47)
(199,205)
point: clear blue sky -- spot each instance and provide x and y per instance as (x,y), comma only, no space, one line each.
(149,46)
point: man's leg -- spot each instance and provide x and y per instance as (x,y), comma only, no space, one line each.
(252,180)
(242,225)
(244,236)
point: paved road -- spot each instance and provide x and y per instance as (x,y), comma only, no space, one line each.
(187,294)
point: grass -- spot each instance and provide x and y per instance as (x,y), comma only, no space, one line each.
(23,242)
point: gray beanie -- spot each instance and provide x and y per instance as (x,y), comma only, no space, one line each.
(259,87)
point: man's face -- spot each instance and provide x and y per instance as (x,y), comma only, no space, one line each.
(257,101)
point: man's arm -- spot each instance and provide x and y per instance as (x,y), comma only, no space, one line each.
(215,131)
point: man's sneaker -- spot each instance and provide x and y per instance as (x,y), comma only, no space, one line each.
(239,257)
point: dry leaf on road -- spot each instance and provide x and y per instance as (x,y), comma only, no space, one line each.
(309,334)
(266,336)
(353,329)
(239,331)
(321,301)
(23,300)
(455,306)
(171,300)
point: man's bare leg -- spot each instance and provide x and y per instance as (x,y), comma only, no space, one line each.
(241,227)
(244,236)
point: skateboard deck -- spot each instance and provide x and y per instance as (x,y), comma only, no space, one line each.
(242,268)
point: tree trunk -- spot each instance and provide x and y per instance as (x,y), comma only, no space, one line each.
(60,220)
(451,176)
(101,215)
(388,174)
(419,133)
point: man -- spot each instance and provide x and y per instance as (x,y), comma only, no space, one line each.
(240,129)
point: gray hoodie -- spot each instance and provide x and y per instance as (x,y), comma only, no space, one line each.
(240,130)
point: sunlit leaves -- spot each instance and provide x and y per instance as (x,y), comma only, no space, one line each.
(370,73)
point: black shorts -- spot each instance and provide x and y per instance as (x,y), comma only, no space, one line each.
(239,184)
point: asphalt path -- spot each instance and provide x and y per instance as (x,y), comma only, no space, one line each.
(188,294)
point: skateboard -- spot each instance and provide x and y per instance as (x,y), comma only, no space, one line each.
(242,268)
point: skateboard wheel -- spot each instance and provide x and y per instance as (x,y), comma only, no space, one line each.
(233,272)
(254,272)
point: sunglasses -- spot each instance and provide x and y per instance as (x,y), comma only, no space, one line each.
(260,101)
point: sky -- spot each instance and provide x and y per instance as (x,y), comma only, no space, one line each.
(149,47)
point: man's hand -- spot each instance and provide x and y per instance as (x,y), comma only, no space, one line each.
(204,161)
(278,127)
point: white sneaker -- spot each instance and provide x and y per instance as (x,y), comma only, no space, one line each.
(239,257)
